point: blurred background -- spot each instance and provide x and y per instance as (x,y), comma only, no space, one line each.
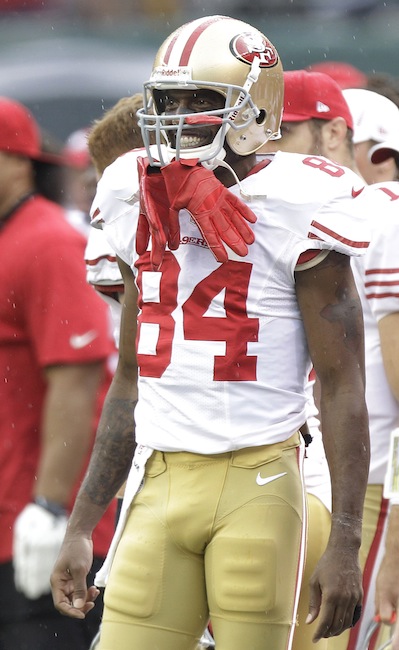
(69,60)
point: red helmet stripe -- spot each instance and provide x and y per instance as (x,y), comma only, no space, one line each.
(192,39)
(170,47)
(184,59)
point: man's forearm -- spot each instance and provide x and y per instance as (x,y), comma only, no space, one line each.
(346,441)
(66,429)
(109,465)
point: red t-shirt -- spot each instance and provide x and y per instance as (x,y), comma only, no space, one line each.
(48,315)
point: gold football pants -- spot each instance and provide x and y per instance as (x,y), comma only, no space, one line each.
(217,536)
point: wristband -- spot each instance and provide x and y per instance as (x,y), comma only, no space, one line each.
(52,507)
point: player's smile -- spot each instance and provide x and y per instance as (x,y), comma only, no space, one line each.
(181,102)
(191,139)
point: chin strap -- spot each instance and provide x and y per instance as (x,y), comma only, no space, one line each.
(252,78)
(217,162)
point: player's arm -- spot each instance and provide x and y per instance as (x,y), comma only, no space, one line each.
(108,469)
(66,432)
(333,322)
(389,338)
(387,584)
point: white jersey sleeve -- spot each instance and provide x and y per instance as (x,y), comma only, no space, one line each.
(381,263)
(117,199)
(222,353)
(377,280)
(102,269)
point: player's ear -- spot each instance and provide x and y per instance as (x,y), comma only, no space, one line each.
(335,132)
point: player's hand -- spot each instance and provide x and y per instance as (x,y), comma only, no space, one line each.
(68,580)
(38,536)
(154,214)
(336,592)
(221,217)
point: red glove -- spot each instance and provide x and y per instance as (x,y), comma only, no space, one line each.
(219,214)
(154,214)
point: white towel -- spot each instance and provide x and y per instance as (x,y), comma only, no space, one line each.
(136,474)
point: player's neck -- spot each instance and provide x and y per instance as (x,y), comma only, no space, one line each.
(241,165)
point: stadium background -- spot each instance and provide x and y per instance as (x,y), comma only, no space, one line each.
(68,60)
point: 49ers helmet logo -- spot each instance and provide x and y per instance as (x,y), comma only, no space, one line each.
(248,45)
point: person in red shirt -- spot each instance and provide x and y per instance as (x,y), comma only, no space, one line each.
(55,342)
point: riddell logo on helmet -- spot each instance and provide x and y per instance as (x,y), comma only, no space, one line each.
(248,45)
(161,72)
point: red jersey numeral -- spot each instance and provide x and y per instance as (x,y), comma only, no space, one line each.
(158,313)
(235,328)
(324,166)
(389,192)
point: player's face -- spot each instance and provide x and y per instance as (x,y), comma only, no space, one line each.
(299,137)
(176,102)
(14,170)
(380,173)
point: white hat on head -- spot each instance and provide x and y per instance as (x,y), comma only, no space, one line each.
(380,152)
(375,117)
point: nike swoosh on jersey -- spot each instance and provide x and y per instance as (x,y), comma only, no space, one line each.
(268,479)
(356,193)
(79,341)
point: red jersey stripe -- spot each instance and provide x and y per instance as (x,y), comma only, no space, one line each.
(387,294)
(110,258)
(370,564)
(382,283)
(372,271)
(331,233)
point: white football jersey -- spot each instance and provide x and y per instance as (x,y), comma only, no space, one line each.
(101,266)
(221,348)
(102,271)
(377,279)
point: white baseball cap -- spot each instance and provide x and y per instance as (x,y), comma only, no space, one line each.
(380,152)
(375,117)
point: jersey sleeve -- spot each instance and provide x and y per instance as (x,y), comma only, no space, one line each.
(68,322)
(341,224)
(312,199)
(115,208)
(102,270)
(381,264)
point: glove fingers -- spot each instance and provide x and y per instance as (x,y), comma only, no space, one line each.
(212,238)
(242,208)
(228,233)
(158,244)
(174,230)
(142,235)
(243,230)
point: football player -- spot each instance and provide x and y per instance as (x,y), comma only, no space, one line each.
(237,278)
(317,119)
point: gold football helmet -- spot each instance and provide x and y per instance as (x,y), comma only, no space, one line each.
(225,55)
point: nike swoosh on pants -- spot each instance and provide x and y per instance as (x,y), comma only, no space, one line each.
(268,479)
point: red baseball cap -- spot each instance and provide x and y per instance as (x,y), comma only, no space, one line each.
(20,133)
(345,74)
(309,95)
